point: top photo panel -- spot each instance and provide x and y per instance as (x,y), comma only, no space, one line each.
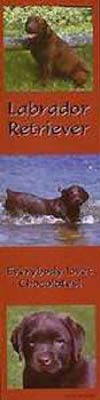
(48,48)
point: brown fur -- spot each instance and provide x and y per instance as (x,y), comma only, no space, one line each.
(52,347)
(67,206)
(54,56)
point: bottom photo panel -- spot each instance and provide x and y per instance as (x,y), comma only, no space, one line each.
(51,346)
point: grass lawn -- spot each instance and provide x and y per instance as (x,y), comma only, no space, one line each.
(21,73)
(82,313)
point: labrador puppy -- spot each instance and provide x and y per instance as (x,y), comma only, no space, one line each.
(52,347)
(67,206)
(54,56)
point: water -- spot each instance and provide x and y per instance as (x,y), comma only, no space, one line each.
(42,175)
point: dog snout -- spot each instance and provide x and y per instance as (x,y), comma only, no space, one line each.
(31,27)
(44,359)
(77,201)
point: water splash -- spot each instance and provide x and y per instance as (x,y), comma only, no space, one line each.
(90,214)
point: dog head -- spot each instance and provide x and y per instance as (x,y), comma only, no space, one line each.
(37,27)
(49,342)
(73,198)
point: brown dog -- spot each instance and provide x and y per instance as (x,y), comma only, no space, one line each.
(67,206)
(54,56)
(51,345)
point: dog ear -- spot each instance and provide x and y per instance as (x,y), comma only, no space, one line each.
(77,333)
(46,29)
(65,194)
(78,337)
(16,340)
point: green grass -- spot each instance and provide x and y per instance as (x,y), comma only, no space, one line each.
(21,73)
(83,314)
(61,19)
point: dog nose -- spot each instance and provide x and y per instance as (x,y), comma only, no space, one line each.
(77,201)
(44,360)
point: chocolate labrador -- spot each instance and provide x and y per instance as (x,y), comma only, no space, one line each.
(54,56)
(67,206)
(52,347)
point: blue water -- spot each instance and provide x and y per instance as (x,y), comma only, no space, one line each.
(42,175)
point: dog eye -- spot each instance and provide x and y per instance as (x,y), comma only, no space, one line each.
(31,344)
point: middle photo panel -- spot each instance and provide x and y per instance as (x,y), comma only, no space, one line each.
(50,200)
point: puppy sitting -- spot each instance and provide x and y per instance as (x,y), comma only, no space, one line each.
(52,347)
(54,56)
